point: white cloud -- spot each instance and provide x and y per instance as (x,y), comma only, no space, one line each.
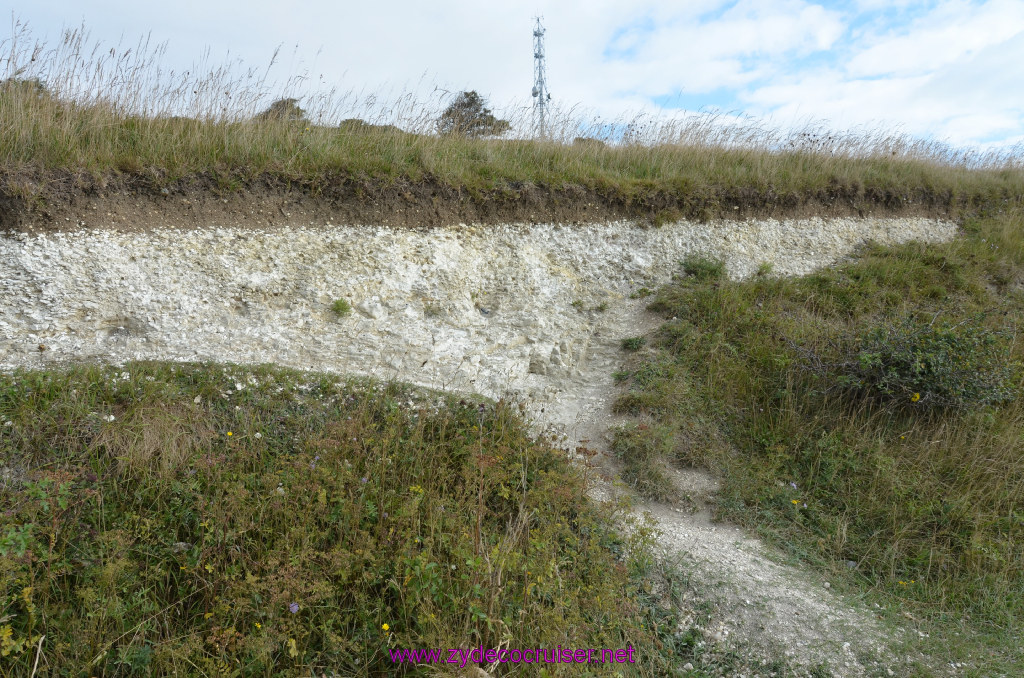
(936,68)
(951,32)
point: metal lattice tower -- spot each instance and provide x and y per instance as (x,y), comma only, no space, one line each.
(540,83)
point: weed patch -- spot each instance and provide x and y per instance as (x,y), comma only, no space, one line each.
(179,518)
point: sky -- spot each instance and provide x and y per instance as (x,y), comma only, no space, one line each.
(948,70)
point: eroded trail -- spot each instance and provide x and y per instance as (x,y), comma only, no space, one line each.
(760,607)
(536,312)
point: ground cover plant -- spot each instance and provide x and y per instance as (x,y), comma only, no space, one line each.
(224,520)
(867,418)
(78,115)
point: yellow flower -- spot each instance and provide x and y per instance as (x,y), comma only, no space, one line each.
(230,433)
(259,625)
(385,627)
(794,501)
(914,398)
(207,615)
(209,568)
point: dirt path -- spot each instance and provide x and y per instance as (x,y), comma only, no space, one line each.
(761,607)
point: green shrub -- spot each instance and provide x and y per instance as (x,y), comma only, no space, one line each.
(643,451)
(703,268)
(341,307)
(633,343)
(950,366)
(641,293)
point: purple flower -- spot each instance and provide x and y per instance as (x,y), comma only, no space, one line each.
(793,485)
(293,608)
(364,480)
(384,515)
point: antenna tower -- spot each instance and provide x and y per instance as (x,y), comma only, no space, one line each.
(540,83)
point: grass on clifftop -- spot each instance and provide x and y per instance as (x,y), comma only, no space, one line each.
(164,519)
(867,418)
(93,113)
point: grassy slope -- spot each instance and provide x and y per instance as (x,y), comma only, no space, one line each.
(158,518)
(762,381)
(44,135)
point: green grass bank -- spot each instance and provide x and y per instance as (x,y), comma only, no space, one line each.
(865,418)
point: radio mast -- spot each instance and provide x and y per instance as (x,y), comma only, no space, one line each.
(540,84)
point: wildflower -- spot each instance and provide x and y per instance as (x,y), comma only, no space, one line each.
(293,608)
(207,615)
(385,627)
(258,625)
(795,501)
(230,433)
(793,485)
(209,568)
(364,480)
(914,398)
(257,436)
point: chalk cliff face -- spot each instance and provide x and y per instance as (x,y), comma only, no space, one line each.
(534,311)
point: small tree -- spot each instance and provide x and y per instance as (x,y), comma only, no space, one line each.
(284,109)
(468,117)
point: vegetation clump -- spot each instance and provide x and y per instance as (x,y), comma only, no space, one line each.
(866,414)
(160,518)
(633,343)
(963,366)
(467,116)
(341,307)
(287,110)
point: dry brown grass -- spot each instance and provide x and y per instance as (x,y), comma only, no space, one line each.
(79,107)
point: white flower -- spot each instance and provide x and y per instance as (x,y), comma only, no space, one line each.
(109,417)
(257,435)
(198,399)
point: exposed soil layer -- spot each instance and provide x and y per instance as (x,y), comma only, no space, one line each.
(61,201)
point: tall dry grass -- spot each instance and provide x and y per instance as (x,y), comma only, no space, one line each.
(79,105)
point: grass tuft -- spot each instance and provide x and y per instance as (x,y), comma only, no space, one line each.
(341,307)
